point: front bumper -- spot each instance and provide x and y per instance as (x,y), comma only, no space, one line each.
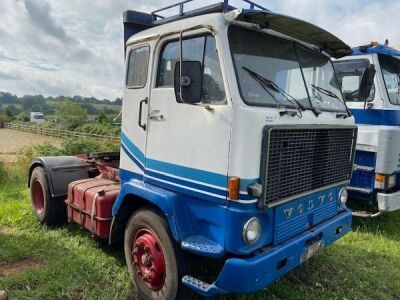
(388,202)
(250,274)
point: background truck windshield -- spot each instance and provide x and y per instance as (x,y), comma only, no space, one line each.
(299,72)
(349,74)
(391,73)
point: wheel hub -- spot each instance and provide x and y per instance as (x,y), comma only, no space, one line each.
(148,259)
(37,196)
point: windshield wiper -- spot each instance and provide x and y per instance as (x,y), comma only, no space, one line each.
(269,84)
(332,95)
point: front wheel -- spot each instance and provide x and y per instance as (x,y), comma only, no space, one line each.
(153,260)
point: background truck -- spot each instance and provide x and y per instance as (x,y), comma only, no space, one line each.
(376,176)
(236,148)
(36,117)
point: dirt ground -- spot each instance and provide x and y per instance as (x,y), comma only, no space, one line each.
(19,266)
(11,141)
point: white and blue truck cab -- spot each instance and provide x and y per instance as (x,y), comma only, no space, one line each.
(376,178)
(236,146)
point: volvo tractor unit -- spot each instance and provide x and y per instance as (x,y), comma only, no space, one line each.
(376,178)
(236,150)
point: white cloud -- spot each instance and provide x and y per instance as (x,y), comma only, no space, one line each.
(75,47)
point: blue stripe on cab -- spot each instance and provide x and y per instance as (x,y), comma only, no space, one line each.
(187,183)
(132,147)
(132,157)
(377,117)
(153,167)
(189,173)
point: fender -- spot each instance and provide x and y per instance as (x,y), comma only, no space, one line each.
(60,171)
(165,200)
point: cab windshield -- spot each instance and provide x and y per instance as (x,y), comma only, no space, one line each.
(391,74)
(299,74)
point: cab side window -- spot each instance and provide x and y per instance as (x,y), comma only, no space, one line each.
(138,62)
(202,49)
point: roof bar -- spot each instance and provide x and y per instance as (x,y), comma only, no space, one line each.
(226,7)
(180,4)
(254,5)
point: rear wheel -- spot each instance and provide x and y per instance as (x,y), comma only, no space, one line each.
(154,262)
(47,210)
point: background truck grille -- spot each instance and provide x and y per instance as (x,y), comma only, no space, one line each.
(300,160)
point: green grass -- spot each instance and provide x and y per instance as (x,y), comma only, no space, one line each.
(363,265)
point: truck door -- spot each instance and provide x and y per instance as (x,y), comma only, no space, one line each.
(134,111)
(188,145)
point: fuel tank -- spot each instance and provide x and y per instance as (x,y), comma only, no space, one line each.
(90,203)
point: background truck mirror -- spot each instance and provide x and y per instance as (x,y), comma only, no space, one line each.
(188,82)
(366,83)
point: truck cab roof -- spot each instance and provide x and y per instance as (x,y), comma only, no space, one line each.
(377,49)
(139,25)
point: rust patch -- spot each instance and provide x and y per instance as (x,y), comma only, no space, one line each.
(20,266)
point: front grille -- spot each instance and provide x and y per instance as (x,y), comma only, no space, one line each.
(300,160)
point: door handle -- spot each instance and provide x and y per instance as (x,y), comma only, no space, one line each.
(156,115)
(145,100)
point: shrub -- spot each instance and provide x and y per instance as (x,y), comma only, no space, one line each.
(101,129)
(79,146)
(23,117)
(28,153)
(68,147)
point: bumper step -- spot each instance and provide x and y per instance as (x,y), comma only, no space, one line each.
(359,190)
(366,214)
(202,287)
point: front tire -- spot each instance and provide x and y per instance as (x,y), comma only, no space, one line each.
(47,210)
(153,260)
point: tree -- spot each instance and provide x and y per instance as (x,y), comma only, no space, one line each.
(23,117)
(71,114)
(8,112)
(8,115)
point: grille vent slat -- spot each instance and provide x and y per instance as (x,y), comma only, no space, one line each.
(300,160)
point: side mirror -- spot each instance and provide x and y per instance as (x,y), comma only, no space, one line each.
(366,83)
(188,85)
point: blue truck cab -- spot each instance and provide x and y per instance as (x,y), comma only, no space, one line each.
(236,148)
(376,176)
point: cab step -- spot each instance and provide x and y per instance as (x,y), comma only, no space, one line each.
(200,245)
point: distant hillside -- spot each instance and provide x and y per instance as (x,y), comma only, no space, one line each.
(46,105)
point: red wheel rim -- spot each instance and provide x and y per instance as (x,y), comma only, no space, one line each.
(148,259)
(37,196)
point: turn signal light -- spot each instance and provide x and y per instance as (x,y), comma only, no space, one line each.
(380,178)
(234,188)
(385,182)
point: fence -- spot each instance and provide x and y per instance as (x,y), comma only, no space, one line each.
(58,132)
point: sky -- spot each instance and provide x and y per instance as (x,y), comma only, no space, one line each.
(75,47)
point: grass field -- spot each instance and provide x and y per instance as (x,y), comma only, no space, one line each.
(67,263)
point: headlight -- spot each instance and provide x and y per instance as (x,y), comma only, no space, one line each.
(251,230)
(343,196)
(392,181)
